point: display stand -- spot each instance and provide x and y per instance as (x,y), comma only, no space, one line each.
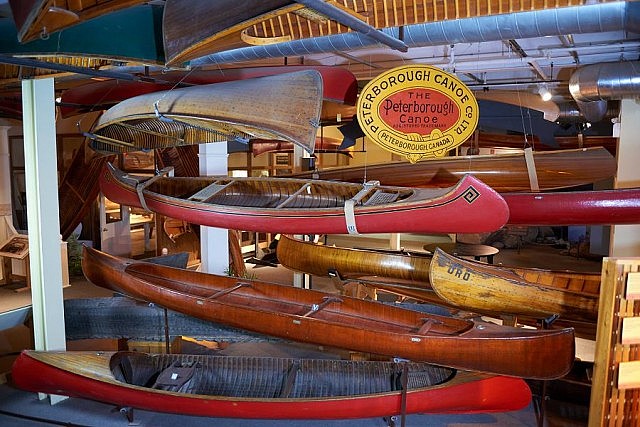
(15,247)
(615,389)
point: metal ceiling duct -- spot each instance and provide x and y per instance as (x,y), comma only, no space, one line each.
(593,85)
(593,18)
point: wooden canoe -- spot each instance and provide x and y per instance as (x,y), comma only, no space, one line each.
(232,24)
(407,274)
(36,19)
(282,107)
(620,206)
(339,85)
(323,145)
(502,172)
(226,386)
(488,288)
(285,205)
(321,318)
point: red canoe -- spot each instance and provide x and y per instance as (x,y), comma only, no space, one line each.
(324,389)
(339,85)
(300,206)
(621,206)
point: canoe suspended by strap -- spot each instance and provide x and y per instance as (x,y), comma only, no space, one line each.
(280,107)
(301,206)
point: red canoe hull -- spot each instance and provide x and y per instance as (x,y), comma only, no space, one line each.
(489,394)
(621,206)
(471,207)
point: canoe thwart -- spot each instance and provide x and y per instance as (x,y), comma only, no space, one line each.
(228,290)
(427,325)
(294,195)
(317,307)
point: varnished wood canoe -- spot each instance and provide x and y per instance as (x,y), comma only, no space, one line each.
(286,205)
(282,107)
(339,85)
(502,172)
(226,386)
(326,319)
(408,274)
(323,145)
(488,288)
(620,206)
(232,24)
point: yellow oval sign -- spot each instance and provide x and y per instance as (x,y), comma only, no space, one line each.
(417,111)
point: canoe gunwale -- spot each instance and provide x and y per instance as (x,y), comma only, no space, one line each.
(63,381)
(487,347)
(324,212)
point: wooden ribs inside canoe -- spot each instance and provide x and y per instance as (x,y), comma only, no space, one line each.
(281,107)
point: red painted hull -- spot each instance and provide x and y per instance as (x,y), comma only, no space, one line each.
(339,85)
(469,207)
(486,394)
(621,206)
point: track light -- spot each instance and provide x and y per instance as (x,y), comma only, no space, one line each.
(544,92)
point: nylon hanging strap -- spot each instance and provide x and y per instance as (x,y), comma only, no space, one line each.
(531,169)
(349,205)
(144,184)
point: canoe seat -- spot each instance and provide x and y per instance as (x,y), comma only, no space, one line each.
(381,197)
(209,191)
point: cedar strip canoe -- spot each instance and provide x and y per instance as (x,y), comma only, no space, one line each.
(326,319)
(339,85)
(285,205)
(282,107)
(619,206)
(488,288)
(407,273)
(502,172)
(265,387)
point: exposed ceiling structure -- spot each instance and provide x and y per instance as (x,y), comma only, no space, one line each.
(521,47)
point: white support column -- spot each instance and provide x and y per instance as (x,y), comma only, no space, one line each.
(625,239)
(214,242)
(42,217)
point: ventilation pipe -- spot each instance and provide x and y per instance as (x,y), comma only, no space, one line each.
(600,17)
(593,85)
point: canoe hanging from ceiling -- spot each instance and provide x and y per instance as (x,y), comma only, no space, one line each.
(502,172)
(339,85)
(301,206)
(239,23)
(281,107)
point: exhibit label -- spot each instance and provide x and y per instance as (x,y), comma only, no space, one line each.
(417,111)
